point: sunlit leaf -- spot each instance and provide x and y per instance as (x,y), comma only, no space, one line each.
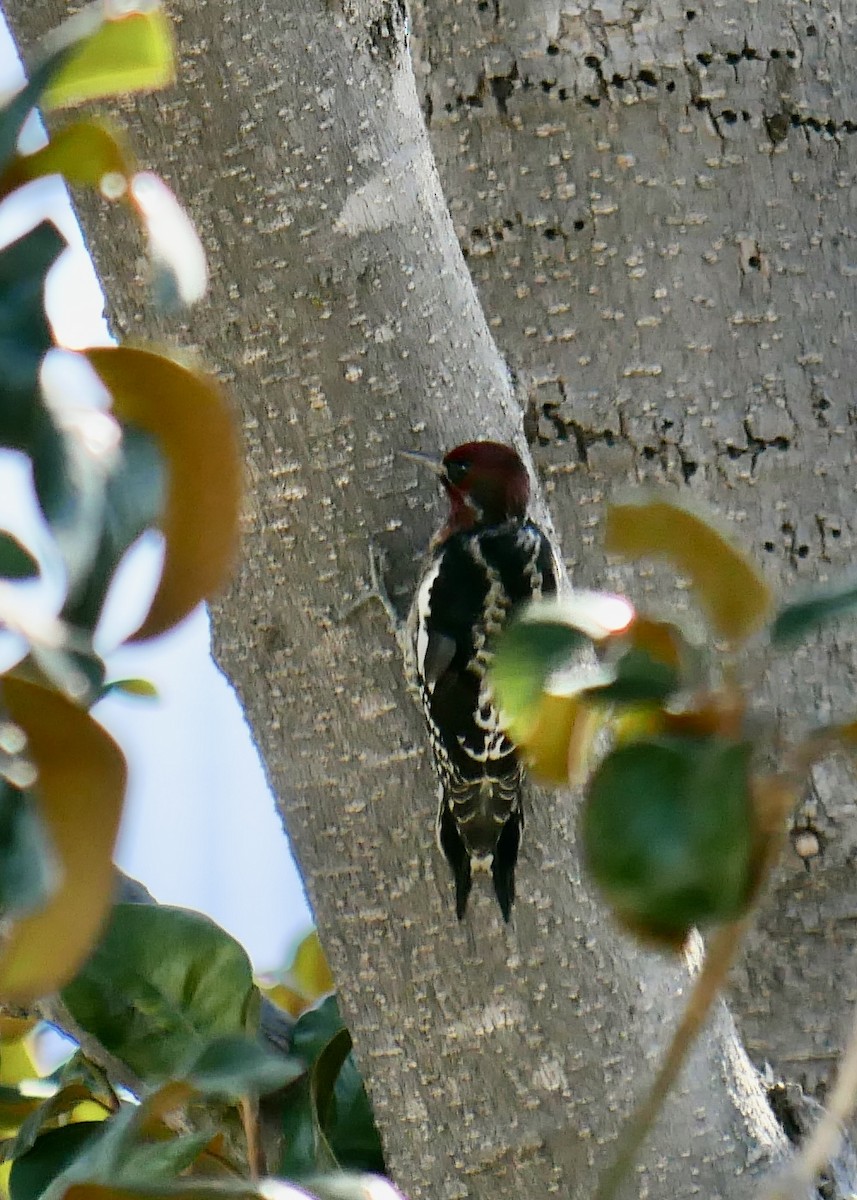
(727,585)
(310,972)
(350,1186)
(162,983)
(131,687)
(558,743)
(668,832)
(190,420)
(179,265)
(81,786)
(794,621)
(526,654)
(16,561)
(131,50)
(28,865)
(87,153)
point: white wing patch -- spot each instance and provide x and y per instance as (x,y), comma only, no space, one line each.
(423,609)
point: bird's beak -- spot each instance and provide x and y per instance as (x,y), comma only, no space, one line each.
(431,461)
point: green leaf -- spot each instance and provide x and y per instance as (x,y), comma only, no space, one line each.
(131,687)
(637,679)
(657,524)
(159,1161)
(801,617)
(85,152)
(16,561)
(15,113)
(28,864)
(162,983)
(527,653)
(327,1118)
(237,1066)
(52,1154)
(134,500)
(130,51)
(668,832)
(25,336)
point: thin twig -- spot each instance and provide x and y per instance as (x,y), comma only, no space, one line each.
(716,966)
(774,799)
(249,1108)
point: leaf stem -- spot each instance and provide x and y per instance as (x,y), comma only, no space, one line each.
(249,1107)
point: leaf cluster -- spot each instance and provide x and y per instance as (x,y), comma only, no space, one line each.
(163,993)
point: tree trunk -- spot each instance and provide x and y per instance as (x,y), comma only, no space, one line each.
(657,206)
(501,1061)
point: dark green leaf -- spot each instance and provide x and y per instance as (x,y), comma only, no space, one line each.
(28,866)
(16,561)
(235,1066)
(77,673)
(315,1028)
(15,113)
(328,1117)
(668,831)
(163,983)
(638,679)
(353,1134)
(52,1154)
(134,501)
(794,621)
(25,335)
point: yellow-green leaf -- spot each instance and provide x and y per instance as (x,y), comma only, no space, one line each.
(131,687)
(81,786)
(129,50)
(310,971)
(188,416)
(88,153)
(558,745)
(656,524)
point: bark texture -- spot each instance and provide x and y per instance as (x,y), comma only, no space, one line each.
(657,205)
(671,283)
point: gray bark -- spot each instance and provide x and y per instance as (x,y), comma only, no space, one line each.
(665,283)
(658,207)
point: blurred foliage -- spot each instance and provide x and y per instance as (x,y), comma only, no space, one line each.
(683,809)
(164,995)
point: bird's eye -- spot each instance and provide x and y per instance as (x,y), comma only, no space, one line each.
(456,471)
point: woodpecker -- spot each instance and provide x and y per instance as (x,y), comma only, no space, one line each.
(485,560)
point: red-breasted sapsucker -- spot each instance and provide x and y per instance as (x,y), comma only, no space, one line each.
(485,561)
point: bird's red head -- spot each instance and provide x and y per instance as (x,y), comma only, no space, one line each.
(486,483)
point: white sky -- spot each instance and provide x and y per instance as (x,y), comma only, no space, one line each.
(200,827)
